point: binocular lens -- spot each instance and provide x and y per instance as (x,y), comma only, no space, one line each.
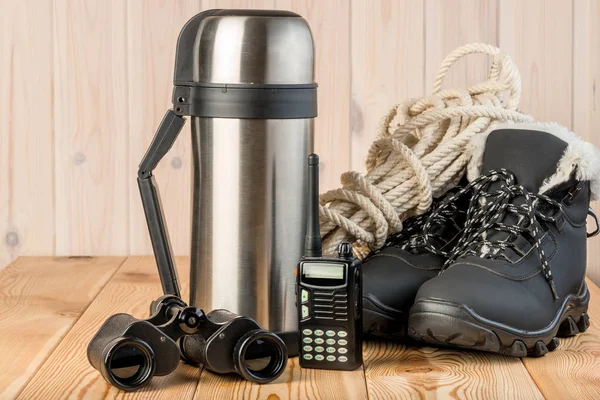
(129,363)
(261,356)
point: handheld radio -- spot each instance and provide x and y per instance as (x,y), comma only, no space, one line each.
(328,296)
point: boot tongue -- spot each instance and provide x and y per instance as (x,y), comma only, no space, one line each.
(530,155)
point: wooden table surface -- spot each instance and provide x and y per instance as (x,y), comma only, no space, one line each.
(50,307)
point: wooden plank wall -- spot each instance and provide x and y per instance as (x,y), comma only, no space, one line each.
(84,83)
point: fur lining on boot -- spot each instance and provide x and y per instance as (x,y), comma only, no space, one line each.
(579,155)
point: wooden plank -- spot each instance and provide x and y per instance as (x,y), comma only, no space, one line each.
(330,25)
(91,125)
(38,307)
(573,370)
(586,103)
(539,36)
(397,371)
(450,24)
(67,372)
(26,139)
(244,4)
(387,65)
(152,30)
(295,383)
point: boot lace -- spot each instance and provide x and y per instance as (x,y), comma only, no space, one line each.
(444,225)
(487,216)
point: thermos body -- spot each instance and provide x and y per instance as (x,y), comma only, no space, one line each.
(248,208)
(246,79)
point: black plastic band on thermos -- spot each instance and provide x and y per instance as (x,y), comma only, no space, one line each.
(246,101)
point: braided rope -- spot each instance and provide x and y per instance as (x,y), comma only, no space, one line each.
(420,156)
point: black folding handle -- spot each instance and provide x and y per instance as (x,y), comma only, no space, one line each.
(165,136)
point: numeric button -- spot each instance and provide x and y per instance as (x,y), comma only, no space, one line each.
(319,357)
(319,332)
(308,356)
(330,342)
(320,341)
(307,340)
(330,333)
(342,333)
(330,358)
(319,349)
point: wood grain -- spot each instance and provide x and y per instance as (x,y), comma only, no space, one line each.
(330,24)
(391,370)
(539,36)
(85,83)
(387,65)
(152,31)
(38,307)
(572,370)
(450,24)
(586,103)
(245,4)
(26,130)
(295,383)
(67,372)
(397,371)
(91,126)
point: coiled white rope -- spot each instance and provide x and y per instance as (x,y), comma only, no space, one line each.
(418,153)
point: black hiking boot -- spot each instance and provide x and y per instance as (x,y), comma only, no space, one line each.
(393,274)
(515,279)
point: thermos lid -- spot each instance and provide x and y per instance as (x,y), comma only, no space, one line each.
(245,64)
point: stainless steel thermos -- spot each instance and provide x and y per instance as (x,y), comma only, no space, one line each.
(246,79)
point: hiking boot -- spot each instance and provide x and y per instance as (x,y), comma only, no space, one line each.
(515,279)
(393,274)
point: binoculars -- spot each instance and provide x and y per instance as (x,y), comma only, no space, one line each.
(128,352)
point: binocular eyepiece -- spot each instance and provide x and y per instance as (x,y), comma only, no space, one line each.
(128,352)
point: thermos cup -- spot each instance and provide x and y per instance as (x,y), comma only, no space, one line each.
(246,79)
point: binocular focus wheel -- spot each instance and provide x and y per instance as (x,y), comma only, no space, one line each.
(127,363)
(260,356)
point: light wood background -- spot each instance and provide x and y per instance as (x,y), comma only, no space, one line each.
(84,83)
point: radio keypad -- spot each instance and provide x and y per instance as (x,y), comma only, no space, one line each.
(335,345)
(330,344)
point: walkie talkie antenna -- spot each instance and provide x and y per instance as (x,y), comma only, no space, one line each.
(312,242)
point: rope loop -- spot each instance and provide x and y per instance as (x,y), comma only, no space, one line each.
(419,153)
